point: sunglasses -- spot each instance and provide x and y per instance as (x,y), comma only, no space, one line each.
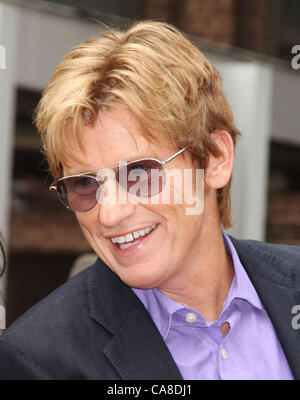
(80,193)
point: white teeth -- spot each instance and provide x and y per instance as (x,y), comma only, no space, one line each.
(120,239)
(127,245)
(130,236)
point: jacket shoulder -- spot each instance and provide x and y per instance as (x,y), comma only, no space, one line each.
(48,312)
(287,253)
(56,335)
(278,262)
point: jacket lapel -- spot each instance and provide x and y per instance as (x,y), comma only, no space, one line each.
(274,280)
(136,350)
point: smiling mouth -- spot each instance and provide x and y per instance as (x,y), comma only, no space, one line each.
(133,238)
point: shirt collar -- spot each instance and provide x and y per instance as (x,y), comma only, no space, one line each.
(161,307)
(241,286)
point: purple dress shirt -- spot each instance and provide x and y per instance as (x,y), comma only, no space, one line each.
(249,350)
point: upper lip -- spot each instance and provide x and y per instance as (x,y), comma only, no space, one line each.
(126,233)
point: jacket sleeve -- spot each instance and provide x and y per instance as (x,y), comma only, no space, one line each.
(15,365)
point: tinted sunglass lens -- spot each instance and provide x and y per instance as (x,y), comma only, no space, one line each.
(143,178)
(78,193)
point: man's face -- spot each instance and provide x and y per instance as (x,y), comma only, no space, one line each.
(160,256)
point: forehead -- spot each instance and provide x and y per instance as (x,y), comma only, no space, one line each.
(116,136)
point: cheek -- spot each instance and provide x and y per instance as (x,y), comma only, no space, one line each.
(90,229)
(88,221)
(166,212)
(172,219)
(183,229)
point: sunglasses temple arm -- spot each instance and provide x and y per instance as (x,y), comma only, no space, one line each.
(173,156)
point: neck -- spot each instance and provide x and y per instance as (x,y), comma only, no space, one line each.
(208,274)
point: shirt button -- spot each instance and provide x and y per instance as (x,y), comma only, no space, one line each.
(191,317)
(223,353)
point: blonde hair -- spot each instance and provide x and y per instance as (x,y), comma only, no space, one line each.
(151,70)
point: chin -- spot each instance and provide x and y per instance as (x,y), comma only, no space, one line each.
(138,277)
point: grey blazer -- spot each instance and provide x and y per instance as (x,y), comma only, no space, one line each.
(94,326)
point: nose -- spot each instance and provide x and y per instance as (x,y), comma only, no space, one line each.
(113,208)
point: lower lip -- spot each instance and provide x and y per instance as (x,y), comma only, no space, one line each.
(141,244)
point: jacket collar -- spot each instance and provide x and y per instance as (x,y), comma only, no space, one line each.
(274,279)
(136,350)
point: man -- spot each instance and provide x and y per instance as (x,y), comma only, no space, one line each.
(134,126)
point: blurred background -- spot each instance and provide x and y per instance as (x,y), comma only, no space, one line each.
(252,44)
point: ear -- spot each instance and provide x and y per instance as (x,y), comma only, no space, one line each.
(219,169)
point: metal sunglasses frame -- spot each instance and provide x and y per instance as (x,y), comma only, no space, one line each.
(92,174)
